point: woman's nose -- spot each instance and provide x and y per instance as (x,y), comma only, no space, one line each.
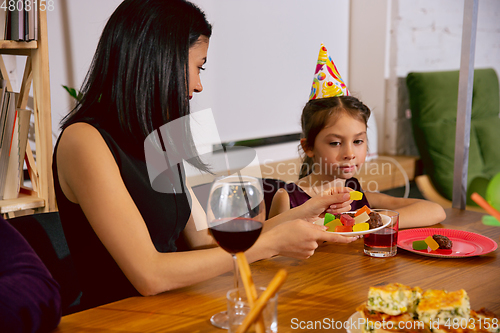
(198,87)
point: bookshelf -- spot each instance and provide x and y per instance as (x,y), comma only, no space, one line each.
(41,198)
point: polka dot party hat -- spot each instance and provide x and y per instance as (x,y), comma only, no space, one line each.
(327,81)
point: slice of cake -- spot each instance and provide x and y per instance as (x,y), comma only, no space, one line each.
(442,306)
(393,299)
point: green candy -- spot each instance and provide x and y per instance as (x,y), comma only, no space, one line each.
(419,245)
(328,217)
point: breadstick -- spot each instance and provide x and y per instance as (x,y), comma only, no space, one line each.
(270,291)
(251,291)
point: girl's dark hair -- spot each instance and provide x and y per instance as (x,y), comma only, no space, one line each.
(139,76)
(318,112)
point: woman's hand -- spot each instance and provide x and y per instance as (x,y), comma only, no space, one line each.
(335,200)
(298,239)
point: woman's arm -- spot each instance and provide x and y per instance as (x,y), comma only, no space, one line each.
(89,176)
(412,212)
(196,231)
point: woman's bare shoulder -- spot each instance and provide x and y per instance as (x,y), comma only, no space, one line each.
(79,134)
(82,156)
(81,141)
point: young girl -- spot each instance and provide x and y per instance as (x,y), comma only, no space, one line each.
(121,233)
(335,146)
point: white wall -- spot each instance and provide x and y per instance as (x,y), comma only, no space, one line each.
(422,35)
(74,28)
(426,35)
(262,55)
(262,58)
(430,35)
(367,63)
(260,65)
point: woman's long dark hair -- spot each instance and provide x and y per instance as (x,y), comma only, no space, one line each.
(318,112)
(139,76)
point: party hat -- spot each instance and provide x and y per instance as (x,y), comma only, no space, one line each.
(327,81)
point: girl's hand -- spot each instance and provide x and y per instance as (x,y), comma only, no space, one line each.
(335,200)
(299,239)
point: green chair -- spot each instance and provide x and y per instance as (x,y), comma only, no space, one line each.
(433,101)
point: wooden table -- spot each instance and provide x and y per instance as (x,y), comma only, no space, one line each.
(330,284)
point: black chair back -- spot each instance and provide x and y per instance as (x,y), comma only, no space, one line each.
(45,235)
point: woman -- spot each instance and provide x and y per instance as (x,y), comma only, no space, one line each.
(121,233)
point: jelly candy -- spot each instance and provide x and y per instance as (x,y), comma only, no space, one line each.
(361,227)
(355,195)
(419,245)
(347,220)
(343,228)
(362,210)
(328,217)
(361,218)
(432,243)
(332,224)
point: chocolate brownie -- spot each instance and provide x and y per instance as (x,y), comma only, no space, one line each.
(444,242)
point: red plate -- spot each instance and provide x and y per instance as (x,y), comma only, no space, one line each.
(465,244)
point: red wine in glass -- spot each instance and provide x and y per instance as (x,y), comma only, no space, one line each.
(236,235)
(235,212)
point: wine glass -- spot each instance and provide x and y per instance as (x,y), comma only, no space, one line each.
(235,214)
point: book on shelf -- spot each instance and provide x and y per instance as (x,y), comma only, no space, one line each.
(9,115)
(3,23)
(19,24)
(31,24)
(11,182)
(24,128)
(16,157)
(16,21)
(3,87)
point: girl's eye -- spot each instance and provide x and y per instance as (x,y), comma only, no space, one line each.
(201,68)
(358,142)
(335,143)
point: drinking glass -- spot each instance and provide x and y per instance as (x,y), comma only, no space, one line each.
(383,243)
(235,213)
(239,307)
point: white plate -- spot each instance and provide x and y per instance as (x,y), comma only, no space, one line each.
(354,318)
(385,219)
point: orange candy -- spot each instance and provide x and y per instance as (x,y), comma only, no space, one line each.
(362,210)
(432,243)
(343,228)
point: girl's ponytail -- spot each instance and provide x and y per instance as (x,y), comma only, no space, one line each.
(306,167)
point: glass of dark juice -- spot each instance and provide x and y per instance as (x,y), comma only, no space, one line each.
(384,242)
(235,213)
